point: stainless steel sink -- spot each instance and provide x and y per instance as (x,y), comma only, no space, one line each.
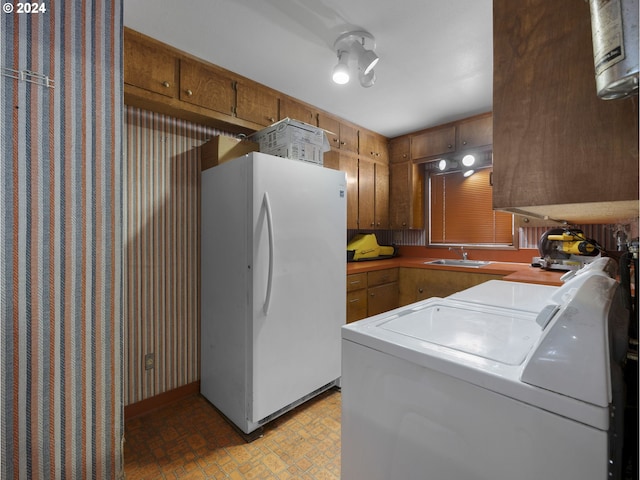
(458,263)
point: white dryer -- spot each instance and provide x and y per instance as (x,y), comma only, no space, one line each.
(454,390)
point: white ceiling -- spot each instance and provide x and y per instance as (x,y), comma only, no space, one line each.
(435,63)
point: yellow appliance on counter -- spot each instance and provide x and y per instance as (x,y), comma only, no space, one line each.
(364,246)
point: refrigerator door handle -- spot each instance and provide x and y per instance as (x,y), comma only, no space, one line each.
(267,206)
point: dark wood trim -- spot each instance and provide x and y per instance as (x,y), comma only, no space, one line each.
(150,404)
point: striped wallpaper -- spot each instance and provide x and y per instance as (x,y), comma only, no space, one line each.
(162,256)
(61,243)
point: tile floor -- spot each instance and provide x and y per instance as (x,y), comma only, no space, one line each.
(190,440)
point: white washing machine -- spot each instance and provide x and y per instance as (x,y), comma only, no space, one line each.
(454,390)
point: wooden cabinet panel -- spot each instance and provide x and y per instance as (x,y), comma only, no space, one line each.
(406,196)
(331,125)
(297,111)
(366,194)
(419,283)
(356,281)
(382,298)
(381,197)
(477,132)
(400,149)
(380,277)
(348,138)
(206,87)
(556,145)
(331,159)
(349,165)
(149,66)
(356,305)
(256,103)
(339,134)
(373,146)
(433,142)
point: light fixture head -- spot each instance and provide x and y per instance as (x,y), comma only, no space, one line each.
(468,160)
(468,173)
(367,80)
(442,165)
(358,46)
(341,70)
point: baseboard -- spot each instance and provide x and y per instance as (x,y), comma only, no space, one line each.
(158,401)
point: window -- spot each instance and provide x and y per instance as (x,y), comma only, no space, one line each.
(461,211)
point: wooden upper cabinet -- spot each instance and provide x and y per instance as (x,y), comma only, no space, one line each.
(206,87)
(256,103)
(349,165)
(149,66)
(381,200)
(374,146)
(297,111)
(340,134)
(400,149)
(406,196)
(454,137)
(556,145)
(476,132)
(366,194)
(437,141)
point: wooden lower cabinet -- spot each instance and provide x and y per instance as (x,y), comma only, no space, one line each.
(383,291)
(356,297)
(371,293)
(420,283)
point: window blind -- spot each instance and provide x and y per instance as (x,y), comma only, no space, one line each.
(461,211)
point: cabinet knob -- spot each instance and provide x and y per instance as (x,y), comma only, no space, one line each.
(189,92)
(449,146)
(420,290)
(166,84)
(335,140)
(464,142)
(271,119)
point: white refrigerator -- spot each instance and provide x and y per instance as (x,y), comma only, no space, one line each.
(273,285)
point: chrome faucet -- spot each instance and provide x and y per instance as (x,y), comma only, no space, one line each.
(462,253)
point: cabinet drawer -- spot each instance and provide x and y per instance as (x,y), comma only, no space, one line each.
(356,305)
(356,281)
(380,277)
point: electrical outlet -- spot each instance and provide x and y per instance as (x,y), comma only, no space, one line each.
(149,361)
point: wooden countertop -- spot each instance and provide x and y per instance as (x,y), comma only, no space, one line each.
(514,272)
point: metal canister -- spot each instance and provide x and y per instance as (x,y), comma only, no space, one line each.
(614,31)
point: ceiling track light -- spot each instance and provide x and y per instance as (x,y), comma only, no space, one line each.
(357,49)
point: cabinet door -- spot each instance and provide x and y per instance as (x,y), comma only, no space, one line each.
(148,65)
(331,126)
(555,143)
(382,298)
(349,165)
(433,142)
(475,133)
(418,283)
(206,87)
(381,199)
(399,149)
(348,138)
(297,111)
(356,305)
(366,194)
(256,103)
(406,196)
(373,146)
